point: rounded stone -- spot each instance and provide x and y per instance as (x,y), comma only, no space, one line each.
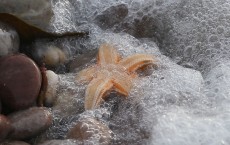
(5,127)
(20,82)
(30,122)
(0,106)
(90,130)
(51,55)
(51,93)
(54,56)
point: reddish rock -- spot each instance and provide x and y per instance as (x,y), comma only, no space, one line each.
(89,129)
(20,82)
(30,122)
(5,127)
(15,143)
(0,106)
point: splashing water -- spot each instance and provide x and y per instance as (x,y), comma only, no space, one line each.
(186,98)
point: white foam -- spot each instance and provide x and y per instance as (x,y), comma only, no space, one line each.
(178,127)
(175,105)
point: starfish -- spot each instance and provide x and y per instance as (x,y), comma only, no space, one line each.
(110,73)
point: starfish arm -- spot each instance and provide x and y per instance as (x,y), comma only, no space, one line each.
(122,82)
(107,55)
(95,92)
(134,62)
(86,75)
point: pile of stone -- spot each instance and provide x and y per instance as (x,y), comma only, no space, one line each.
(27,90)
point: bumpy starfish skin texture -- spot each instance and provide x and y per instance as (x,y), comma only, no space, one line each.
(110,73)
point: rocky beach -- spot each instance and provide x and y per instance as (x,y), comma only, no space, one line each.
(114,72)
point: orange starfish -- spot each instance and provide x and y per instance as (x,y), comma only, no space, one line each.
(110,73)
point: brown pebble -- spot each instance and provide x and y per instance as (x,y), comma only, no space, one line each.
(0,106)
(5,127)
(15,143)
(61,142)
(89,129)
(20,82)
(30,122)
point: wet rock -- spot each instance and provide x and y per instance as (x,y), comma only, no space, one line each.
(15,143)
(29,32)
(111,16)
(37,12)
(5,127)
(49,90)
(60,142)
(9,40)
(51,93)
(30,122)
(140,28)
(89,129)
(0,106)
(54,56)
(20,82)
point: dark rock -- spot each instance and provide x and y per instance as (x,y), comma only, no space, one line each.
(20,82)
(111,16)
(5,127)
(61,142)
(0,106)
(90,129)
(9,40)
(30,122)
(15,143)
(142,27)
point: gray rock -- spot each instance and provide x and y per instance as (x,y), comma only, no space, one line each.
(30,122)
(9,40)
(111,16)
(37,12)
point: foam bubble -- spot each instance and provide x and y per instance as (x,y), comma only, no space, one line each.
(184,101)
